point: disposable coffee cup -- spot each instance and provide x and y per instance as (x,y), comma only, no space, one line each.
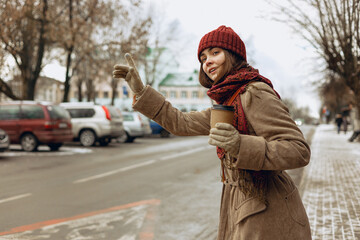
(221,113)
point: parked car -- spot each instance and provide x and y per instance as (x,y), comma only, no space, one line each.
(31,124)
(135,125)
(157,129)
(93,123)
(4,141)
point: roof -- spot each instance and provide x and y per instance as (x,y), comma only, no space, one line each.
(181,79)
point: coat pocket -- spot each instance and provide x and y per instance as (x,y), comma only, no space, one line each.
(296,207)
(247,208)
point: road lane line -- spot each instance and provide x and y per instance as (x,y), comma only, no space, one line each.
(15,198)
(114,171)
(175,155)
(106,174)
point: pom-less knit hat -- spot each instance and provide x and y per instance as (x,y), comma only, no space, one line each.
(223,37)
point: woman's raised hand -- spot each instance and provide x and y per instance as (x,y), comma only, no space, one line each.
(130,73)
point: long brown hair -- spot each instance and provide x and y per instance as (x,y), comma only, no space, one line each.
(232,62)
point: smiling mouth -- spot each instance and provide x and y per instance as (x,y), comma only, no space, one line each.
(212,70)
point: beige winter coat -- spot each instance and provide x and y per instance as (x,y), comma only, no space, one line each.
(274,144)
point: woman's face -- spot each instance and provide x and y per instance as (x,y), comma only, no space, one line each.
(213,60)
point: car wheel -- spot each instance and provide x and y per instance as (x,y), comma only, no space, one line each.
(29,143)
(87,138)
(129,139)
(104,141)
(125,138)
(54,146)
(164,133)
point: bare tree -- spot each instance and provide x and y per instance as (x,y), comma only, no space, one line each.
(163,44)
(332,28)
(129,33)
(102,42)
(298,112)
(85,76)
(77,28)
(335,94)
(25,34)
(4,87)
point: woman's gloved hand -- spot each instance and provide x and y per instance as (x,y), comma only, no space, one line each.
(226,136)
(131,75)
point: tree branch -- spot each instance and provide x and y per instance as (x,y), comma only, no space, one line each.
(5,88)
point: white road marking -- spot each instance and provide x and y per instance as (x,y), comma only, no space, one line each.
(175,155)
(15,151)
(115,171)
(141,164)
(15,197)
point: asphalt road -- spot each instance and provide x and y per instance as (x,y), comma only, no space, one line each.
(152,189)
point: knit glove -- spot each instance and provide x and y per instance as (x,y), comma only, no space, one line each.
(224,135)
(131,75)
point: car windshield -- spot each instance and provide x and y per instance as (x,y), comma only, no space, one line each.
(128,117)
(57,112)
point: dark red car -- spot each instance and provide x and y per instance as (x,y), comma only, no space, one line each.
(31,123)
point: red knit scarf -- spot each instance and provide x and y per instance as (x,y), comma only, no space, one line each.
(223,91)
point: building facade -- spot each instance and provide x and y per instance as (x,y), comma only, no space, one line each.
(46,89)
(184,91)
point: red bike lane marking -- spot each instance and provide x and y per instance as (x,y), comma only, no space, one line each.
(146,233)
(147,229)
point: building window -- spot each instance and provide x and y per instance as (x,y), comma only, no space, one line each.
(195,94)
(96,94)
(116,94)
(106,94)
(172,94)
(183,94)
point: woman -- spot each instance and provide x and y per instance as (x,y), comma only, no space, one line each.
(259,200)
(338,121)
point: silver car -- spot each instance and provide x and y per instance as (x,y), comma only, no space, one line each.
(93,123)
(4,141)
(135,125)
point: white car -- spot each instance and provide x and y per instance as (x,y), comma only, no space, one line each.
(4,141)
(135,125)
(93,123)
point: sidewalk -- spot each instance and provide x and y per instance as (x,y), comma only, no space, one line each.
(330,186)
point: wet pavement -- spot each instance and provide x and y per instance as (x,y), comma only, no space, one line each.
(330,186)
(95,203)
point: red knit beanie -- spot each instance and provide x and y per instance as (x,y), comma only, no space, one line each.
(223,37)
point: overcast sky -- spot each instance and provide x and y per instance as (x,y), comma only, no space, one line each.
(276,51)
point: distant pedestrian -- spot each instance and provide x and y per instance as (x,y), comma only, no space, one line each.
(259,199)
(355,122)
(338,121)
(326,114)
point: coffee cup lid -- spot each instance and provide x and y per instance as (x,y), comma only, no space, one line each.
(223,107)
